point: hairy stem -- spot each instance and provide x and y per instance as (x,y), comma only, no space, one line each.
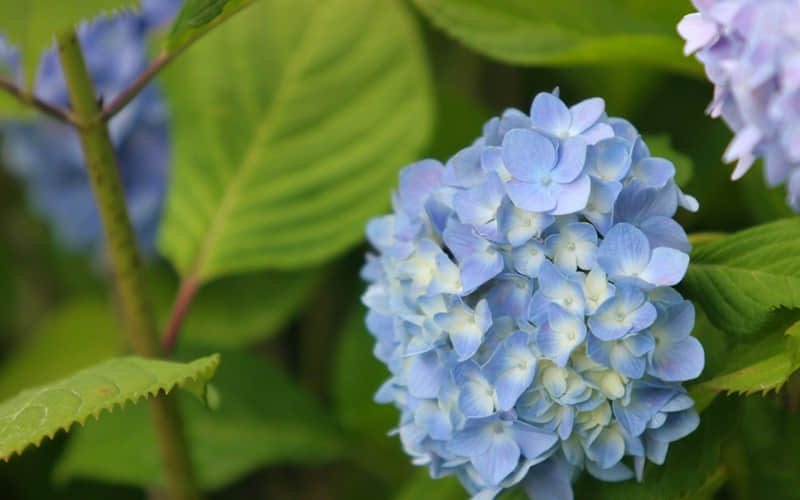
(137,311)
(27,99)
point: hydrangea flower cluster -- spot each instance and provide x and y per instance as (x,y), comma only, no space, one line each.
(751,53)
(521,298)
(47,154)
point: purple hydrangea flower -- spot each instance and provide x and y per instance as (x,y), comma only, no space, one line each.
(47,155)
(520,296)
(751,53)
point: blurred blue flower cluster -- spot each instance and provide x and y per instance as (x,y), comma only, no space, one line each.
(751,53)
(521,298)
(46,154)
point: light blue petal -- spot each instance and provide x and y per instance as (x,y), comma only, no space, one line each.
(417,182)
(665,232)
(572,197)
(528,258)
(608,448)
(666,267)
(426,375)
(624,251)
(677,426)
(679,361)
(467,167)
(533,197)
(476,399)
(479,269)
(474,439)
(528,155)
(623,361)
(615,473)
(643,405)
(585,114)
(550,480)
(654,172)
(434,420)
(479,205)
(598,350)
(510,296)
(533,442)
(498,461)
(549,113)
(609,160)
(571,159)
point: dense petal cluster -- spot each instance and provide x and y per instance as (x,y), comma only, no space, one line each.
(47,156)
(751,53)
(521,298)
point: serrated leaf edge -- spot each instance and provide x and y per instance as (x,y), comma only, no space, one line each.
(206,373)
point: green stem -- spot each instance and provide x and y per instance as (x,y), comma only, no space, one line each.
(137,311)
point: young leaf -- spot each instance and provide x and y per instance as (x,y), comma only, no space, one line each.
(291,140)
(567,31)
(31,24)
(198,16)
(262,418)
(754,368)
(41,412)
(741,280)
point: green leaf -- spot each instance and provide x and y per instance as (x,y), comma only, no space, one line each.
(40,412)
(314,109)
(196,17)
(263,418)
(660,145)
(90,319)
(31,24)
(761,367)
(236,311)
(742,280)
(567,32)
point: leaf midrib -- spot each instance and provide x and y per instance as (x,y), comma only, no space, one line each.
(231,192)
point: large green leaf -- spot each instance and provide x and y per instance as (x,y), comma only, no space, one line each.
(237,311)
(41,412)
(52,347)
(262,418)
(741,281)
(761,367)
(292,139)
(31,25)
(567,32)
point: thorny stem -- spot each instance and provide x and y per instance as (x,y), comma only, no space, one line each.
(137,311)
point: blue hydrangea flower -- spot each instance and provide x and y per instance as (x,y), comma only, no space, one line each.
(521,298)
(47,155)
(751,54)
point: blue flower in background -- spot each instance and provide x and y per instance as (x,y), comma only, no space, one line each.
(751,54)
(47,155)
(521,299)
